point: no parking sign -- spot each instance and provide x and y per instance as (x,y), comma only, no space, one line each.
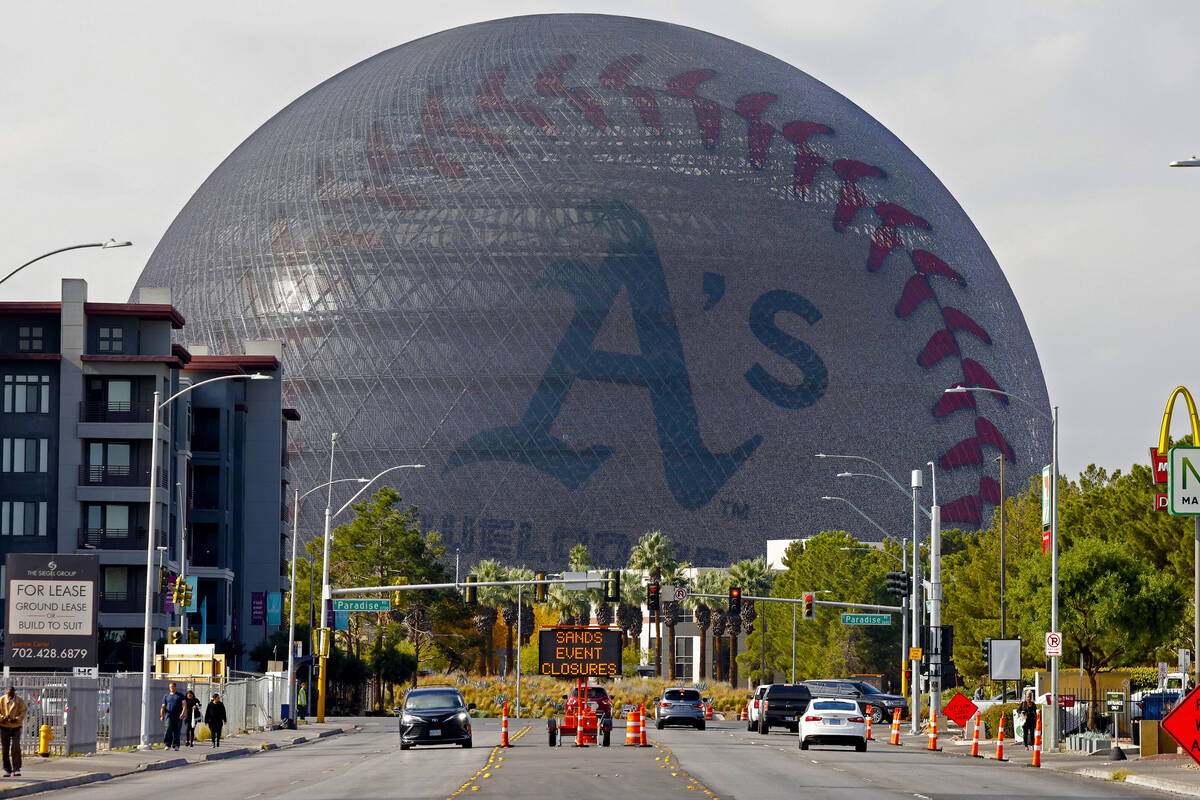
(1053,643)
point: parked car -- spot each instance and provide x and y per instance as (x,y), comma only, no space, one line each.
(679,706)
(752,706)
(882,704)
(782,704)
(435,715)
(1155,703)
(833,720)
(597,700)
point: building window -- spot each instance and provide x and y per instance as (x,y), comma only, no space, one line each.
(25,455)
(29,339)
(111,518)
(112,340)
(116,583)
(683,657)
(27,394)
(22,518)
(206,487)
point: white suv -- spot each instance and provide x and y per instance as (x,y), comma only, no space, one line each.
(755,700)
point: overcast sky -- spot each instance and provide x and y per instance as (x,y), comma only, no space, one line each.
(1052,123)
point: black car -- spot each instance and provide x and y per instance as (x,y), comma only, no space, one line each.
(782,704)
(435,715)
(882,704)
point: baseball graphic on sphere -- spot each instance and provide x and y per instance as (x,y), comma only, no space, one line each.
(603,276)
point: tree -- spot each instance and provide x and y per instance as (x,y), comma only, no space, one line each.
(708,582)
(720,663)
(754,579)
(489,599)
(654,553)
(510,612)
(629,610)
(1114,609)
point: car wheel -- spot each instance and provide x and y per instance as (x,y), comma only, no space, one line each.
(861,746)
(466,745)
(803,744)
(764,728)
(876,715)
(553,732)
(750,726)
(700,725)
(604,742)
(658,723)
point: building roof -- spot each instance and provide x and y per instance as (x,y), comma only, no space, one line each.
(232,364)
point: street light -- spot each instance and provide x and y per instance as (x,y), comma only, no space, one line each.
(326,589)
(110,244)
(1052,739)
(905,602)
(148,646)
(1194,161)
(291,669)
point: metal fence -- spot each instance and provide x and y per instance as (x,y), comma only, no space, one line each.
(90,714)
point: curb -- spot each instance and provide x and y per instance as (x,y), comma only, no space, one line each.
(171,763)
(61,783)
(334,732)
(1163,785)
(239,751)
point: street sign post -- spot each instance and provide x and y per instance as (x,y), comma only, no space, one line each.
(914,654)
(1114,702)
(1183,483)
(362,604)
(866,619)
(680,594)
(1053,644)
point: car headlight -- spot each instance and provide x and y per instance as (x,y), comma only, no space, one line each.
(409,719)
(463,716)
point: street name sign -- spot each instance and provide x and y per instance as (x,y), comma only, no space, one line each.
(362,604)
(866,619)
(579,652)
(52,607)
(1183,483)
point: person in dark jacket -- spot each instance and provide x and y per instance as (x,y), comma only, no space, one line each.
(1029,712)
(214,718)
(191,717)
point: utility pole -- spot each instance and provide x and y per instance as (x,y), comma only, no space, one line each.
(936,661)
(914,708)
(1003,604)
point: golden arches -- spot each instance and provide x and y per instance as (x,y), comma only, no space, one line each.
(1164,433)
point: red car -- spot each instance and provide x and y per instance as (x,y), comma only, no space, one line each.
(597,700)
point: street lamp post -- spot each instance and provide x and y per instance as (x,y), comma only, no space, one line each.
(1052,734)
(148,645)
(109,245)
(291,669)
(326,589)
(904,602)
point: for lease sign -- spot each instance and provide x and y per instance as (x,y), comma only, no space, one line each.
(51,619)
(579,652)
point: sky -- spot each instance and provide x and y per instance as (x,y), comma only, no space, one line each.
(1052,123)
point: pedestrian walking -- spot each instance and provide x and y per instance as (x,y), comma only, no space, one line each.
(214,718)
(171,713)
(1028,712)
(978,693)
(302,700)
(12,717)
(191,717)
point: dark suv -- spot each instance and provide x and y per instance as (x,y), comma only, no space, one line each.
(435,715)
(782,704)
(882,704)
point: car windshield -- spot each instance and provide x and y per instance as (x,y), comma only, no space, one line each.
(681,695)
(833,705)
(428,700)
(593,693)
(788,693)
(866,688)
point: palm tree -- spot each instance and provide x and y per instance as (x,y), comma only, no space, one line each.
(718,629)
(489,600)
(675,576)
(709,582)
(655,554)
(756,580)
(629,610)
(733,625)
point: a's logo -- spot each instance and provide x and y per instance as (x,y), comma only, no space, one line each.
(693,472)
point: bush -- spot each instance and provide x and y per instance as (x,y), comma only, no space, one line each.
(991,720)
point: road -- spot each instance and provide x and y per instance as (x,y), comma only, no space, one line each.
(724,761)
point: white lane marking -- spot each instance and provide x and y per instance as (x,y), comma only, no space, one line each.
(922,796)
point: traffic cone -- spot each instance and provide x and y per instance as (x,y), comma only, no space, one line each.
(744,714)
(870,738)
(895,726)
(633,734)
(579,740)
(932,730)
(1037,742)
(1000,741)
(504,725)
(642,726)
(975,739)
(708,712)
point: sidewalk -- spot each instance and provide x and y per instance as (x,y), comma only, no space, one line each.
(1177,774)
(58,772)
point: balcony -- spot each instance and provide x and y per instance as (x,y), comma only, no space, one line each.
(95,475)
(127,602)
(116,538)
(105,411)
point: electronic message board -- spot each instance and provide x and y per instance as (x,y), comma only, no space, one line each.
(579,652)
(52,605)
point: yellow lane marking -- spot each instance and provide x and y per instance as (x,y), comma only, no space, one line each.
(693,784)
(489,764)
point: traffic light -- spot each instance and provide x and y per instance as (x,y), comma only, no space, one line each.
(808,606)
(187,595)
(612,586)
(163,583)
(173,636)
(539,591)
(194,636)
(652,598)
(472,592)
(946,644)
(897,583)
(987,651)
(398,601)
(177,594)
(735,600)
